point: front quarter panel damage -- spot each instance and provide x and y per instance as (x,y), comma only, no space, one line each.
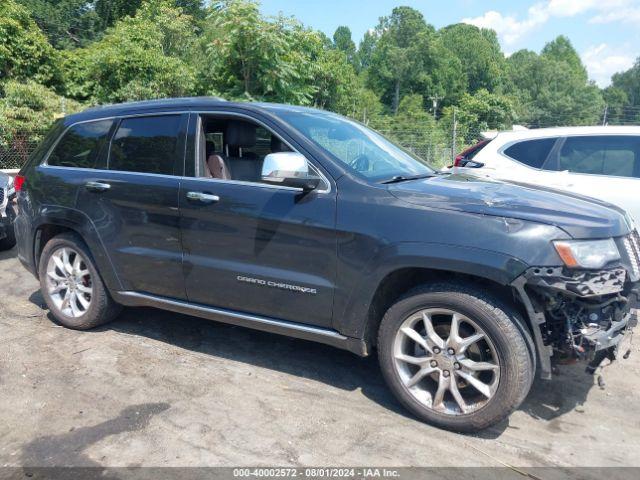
(578,314)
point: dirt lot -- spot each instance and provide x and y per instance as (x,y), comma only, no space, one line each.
(159,389)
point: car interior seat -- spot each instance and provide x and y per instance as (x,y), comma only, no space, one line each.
(244,165)
(212,164)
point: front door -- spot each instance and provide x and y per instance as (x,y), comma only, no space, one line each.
(133,203)
(252,247)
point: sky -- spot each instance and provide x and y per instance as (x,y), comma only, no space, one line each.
(604,32)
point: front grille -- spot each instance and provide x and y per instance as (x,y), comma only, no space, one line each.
(632,245)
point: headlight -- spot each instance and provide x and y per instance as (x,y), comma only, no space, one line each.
(587,253)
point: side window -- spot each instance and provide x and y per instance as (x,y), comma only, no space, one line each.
(531,152)
(80,145)
(604,155)
(262,146)
(146,145)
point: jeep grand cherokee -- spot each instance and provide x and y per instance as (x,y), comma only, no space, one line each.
(304,223)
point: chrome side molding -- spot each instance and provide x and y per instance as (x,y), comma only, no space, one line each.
(257,322)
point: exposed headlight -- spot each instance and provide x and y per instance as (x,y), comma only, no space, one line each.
(587,253)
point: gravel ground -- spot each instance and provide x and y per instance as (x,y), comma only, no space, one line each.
(160,389)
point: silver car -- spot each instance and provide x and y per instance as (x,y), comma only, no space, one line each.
(7,212)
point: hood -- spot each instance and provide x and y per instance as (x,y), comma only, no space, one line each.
(580,217)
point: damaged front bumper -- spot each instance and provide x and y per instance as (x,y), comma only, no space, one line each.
(578,314)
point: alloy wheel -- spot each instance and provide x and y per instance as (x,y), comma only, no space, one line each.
(446,361)
(69,282)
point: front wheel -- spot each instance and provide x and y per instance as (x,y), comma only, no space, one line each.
(455,357)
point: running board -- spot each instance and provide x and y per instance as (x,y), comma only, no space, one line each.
(266,324)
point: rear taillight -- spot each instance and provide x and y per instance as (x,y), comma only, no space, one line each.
(17,182)
(458,161)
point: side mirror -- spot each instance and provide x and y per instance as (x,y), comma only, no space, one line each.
(289,169)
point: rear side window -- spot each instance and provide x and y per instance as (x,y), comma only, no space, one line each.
(146,145)
(604,155)
(531,152)
(80,145)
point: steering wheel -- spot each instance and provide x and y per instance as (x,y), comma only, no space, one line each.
(360,163)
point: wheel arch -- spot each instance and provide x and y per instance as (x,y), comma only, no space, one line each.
(403,267)
(58,220)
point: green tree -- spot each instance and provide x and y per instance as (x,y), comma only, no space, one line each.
(365,50)
(335,81)
(553,88)
(27,110)
(25,52)
(414,128)
(410,58)
(478,112)
(343,42)
(66,23)
(249,56)
(479,52)
(617,106)
(561,50)
(629,82)
(399,58)
(110,11)
(140,57)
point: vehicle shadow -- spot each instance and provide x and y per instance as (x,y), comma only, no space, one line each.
(6,254)
(547,400)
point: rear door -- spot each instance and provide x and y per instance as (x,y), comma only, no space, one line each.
(132,201)
(603,166)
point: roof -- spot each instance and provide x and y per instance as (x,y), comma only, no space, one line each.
(562,131)
(171,104)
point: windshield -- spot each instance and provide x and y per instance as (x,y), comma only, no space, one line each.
(362,149)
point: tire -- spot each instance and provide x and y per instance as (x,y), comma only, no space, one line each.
(8,242)
(85,310)
(500,362)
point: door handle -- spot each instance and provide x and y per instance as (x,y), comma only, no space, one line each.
(97,186)
(203,197)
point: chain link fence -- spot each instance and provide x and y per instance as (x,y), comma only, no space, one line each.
(16,152)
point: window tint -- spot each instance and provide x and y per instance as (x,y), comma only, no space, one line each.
(146,145)
(605,155)
(80,145)
(262,146)
(531,152)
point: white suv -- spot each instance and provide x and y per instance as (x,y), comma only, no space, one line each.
(600,162)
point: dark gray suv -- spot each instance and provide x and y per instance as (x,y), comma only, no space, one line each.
(304,223)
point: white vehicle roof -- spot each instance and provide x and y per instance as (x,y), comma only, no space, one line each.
(509,136)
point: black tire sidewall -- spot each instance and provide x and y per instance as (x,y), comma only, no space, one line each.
(509,344)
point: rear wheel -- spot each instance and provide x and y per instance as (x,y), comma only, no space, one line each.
(455,357)
(71,285)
